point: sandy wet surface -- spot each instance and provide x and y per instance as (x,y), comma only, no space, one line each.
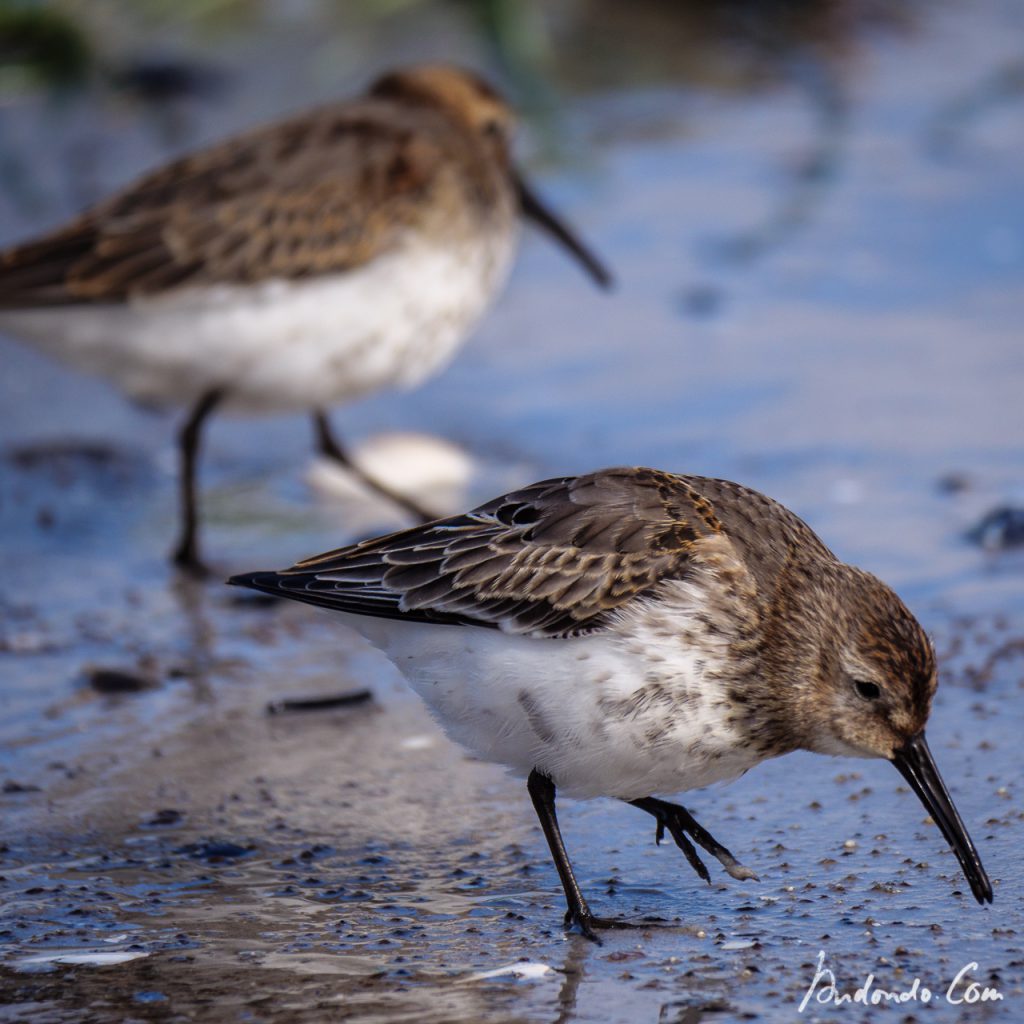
(822,300)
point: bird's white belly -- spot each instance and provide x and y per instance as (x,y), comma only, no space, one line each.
(587,712)
(284,345)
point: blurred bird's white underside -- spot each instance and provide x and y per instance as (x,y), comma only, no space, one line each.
(284,345)
(628,712)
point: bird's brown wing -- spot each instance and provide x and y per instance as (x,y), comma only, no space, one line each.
(554,559)
(319,193)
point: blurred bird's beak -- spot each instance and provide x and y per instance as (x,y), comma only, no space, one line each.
(915,763)
(534,209)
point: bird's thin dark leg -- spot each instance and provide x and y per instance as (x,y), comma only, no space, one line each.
(327,444)
(542,793)
(679,822)
(186,553)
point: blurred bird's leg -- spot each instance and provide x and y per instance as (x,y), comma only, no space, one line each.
(679,821)
(186,553)
(328,445)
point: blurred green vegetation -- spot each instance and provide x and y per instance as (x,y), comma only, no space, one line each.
(41,47)
(598,43)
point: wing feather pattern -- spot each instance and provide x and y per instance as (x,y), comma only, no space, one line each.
(554,559)
(320,193)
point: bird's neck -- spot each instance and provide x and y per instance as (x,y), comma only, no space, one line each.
(800,621)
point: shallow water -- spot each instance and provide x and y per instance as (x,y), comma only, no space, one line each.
(819,246)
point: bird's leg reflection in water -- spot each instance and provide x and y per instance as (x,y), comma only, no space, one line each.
(572,971)
(198,661)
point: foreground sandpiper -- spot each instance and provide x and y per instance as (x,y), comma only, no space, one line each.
(291,268)
(649,633)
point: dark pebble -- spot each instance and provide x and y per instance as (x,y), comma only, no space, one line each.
(339,700)
(166,816)
(10,786)
(700,301)
(116,680)
(215,850)
(953,483)
(1000,529)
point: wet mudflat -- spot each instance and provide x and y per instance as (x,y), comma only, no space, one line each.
(820,295)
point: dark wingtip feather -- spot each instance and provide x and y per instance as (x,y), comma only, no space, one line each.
(268,582)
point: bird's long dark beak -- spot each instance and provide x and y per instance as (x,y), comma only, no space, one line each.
(534,209)
(915,763)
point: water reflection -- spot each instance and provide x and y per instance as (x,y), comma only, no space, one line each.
(573,970)
(199,664)
(959,115)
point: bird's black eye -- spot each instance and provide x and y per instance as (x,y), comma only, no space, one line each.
(869,691)
(491,128)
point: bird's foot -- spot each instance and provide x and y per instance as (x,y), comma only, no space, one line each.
(681,826)
(589,925)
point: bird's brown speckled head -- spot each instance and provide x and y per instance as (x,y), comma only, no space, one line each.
(461,94)
(876,674)
(872,695)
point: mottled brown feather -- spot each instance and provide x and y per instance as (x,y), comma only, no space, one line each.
(554,559)
(319,193)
